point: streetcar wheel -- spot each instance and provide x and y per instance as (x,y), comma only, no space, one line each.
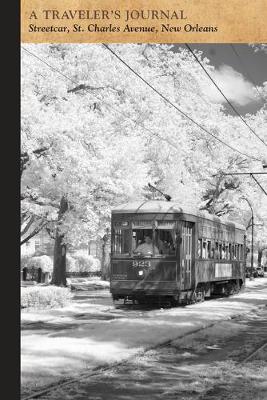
(201,296)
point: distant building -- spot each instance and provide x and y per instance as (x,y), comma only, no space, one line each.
(43,244)
(40,244)
(28,248)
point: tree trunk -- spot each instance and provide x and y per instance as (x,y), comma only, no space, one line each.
(260,251)
(105,261)
(60,249)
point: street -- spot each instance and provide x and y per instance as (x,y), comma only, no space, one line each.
(92,333)
(205,365)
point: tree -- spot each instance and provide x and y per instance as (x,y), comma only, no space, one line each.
(94,135)
(83,174)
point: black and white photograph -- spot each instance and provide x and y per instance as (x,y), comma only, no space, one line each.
(143,221)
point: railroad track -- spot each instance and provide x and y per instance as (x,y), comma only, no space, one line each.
(101,369)
(97,370)
(255,352)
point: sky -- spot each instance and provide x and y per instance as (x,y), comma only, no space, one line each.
(238,69)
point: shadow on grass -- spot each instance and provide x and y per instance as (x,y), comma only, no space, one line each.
(94,338)
(47,326)
(163,375)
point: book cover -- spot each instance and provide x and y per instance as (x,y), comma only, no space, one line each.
(143,190)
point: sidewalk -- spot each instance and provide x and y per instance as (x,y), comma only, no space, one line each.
(90,332)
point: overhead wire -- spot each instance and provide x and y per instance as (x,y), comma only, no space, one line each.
(175,106)
(227,100)
(104,102)
(134,121)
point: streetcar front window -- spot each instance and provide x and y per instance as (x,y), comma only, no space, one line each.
(146,243)
(121,244)
(165,241)
(165,237)
(147,238)
(141,237)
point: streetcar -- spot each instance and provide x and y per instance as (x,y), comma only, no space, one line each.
(166,254)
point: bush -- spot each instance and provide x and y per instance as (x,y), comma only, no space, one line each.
(86,262)
(45,297)
(24,260)
(71,264)
(44,262)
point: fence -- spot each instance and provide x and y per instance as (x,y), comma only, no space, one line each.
(82,274)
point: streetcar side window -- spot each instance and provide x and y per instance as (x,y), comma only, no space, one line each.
(239,257)
(232,251)
(212,249)
(199,248)
(235,252)
(223,253)
(217,255)
(209,249)
(220,251)
(241,252)
(227,251)
(204,249)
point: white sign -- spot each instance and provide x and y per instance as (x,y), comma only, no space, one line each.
(223,270)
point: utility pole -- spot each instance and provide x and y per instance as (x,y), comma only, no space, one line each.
(252,237)
(252,244)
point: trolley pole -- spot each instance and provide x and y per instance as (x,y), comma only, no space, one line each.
(167,197)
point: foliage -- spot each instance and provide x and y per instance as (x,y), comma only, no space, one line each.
(24,261)
(44,262)
(81,261)
(70,264)
(86,262)
(98,138)
(44,297)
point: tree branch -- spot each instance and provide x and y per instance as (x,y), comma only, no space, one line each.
(38,200)
(84,87)
(25,158)
(50,232)
(33,233)
(28,224)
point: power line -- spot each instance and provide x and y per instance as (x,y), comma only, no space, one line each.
(134,121)
(251,174)
(247,72)
(94,95)
(177,108)
(245,173)
(49,65)
(258,183)
(228,101)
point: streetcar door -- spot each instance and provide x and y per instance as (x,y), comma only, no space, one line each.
(186,254)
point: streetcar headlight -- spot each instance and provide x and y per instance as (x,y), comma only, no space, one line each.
(140,273)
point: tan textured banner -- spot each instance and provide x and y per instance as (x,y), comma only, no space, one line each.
(162,21)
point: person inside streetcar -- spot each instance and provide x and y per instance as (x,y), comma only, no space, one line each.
(147,247)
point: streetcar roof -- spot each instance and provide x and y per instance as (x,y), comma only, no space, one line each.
(167,207)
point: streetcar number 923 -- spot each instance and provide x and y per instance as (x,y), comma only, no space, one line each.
(137,264)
